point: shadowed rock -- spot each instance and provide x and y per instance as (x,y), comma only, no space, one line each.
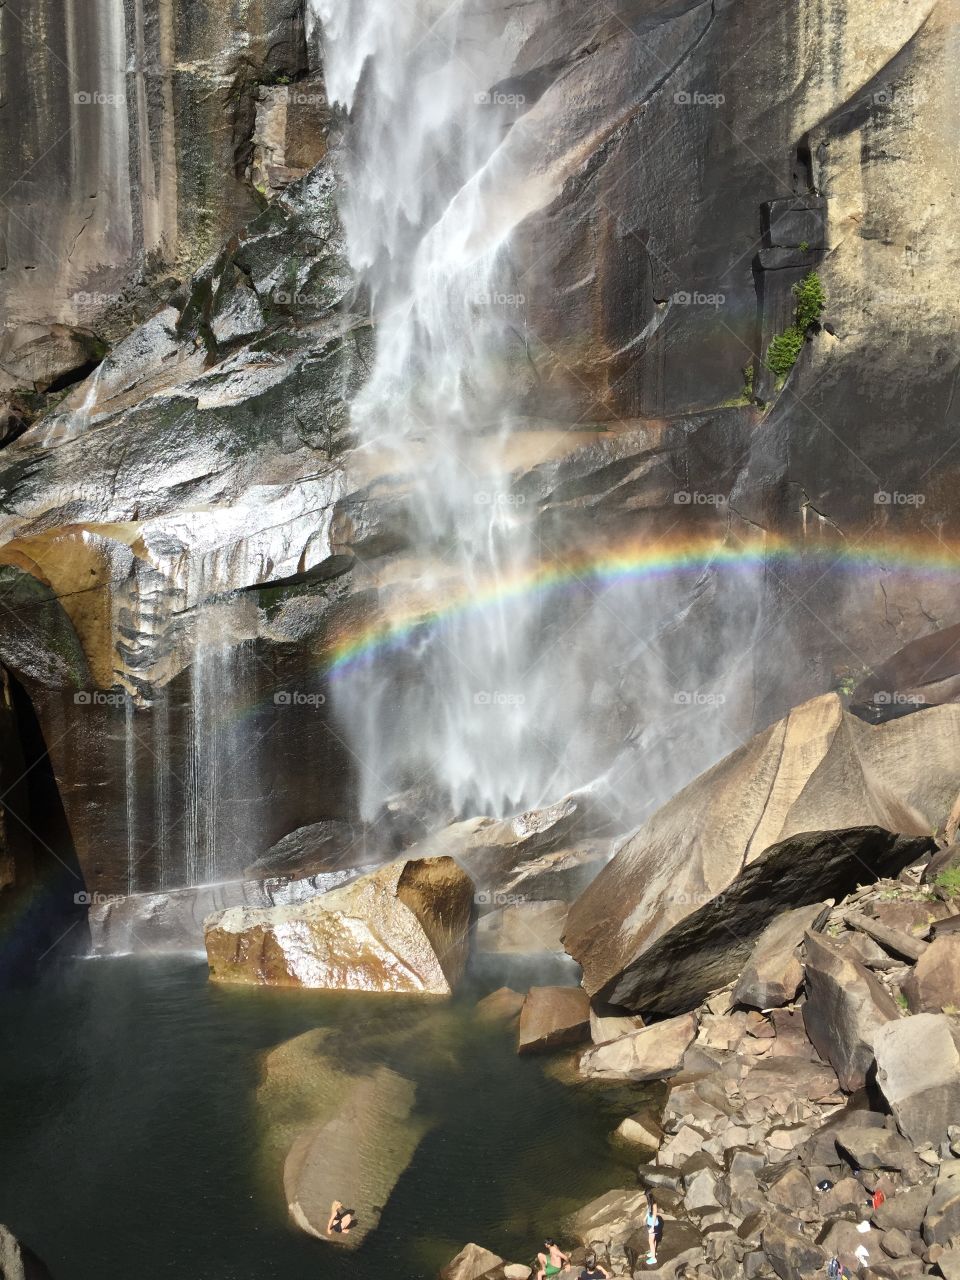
(934,984)
(676,911)
(404,928)
(774,974)
(844,1009)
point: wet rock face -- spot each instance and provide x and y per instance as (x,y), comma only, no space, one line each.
(403,928)
(676,911)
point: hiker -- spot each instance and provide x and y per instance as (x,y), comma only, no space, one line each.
(654,1228)
(552,1262)
(341,1219)
(592,1269)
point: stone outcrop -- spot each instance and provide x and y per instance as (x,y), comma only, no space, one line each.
(934,984)
(918,1070)
(844,1009)
(700,881)
(402,928)
(774,974)
(552,1018)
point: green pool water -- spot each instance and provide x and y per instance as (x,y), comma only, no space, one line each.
(130,1143)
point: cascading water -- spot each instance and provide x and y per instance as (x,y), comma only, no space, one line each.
(427,231)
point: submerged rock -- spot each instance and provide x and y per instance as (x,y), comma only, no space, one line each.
(553,1018)
(335,1134)
(675,912)
(472,1262)
(16,1260)
(403,928)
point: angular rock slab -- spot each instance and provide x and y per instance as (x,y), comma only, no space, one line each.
(357,1157)
(844,1009)
(941,1224)
(651,1054)
(553,1018)
(774,974)
(472,1262)
(675,913)
(934,984)
(918,1071)
(403,928)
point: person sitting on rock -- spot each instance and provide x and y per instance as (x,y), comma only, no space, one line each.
(592,1269)
(341,1219)
(552,1262)
(654,1228)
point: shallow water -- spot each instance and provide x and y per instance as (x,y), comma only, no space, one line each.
(129,1139)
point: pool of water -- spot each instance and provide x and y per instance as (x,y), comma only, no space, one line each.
(130,1140)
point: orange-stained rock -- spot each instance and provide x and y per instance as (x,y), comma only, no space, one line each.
(403,928)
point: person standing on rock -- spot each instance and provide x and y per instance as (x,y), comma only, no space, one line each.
(552,1262)
(654,1228)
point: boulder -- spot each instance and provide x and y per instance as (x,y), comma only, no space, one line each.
(522,928)
(866,1148)
(844,1008)
(502,1005)
(403,928)
(941,1223)
(896,941)
(905,1210)
(792,1256)
(654,1053)
(553,1018)
(611,1026)
(335,1134)
(16,1260)
(918,1071)
(774,974)
(934,984)
(804,811)
(640,1129)
(471,1263)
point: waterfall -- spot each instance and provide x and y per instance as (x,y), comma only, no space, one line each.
(428,231)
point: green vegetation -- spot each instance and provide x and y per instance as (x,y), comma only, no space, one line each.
(785,348)
(902,1001)
(746,395)
(949,880)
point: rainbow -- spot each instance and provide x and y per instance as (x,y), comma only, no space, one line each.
(928,558)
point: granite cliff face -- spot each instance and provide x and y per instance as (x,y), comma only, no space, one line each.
(188,541)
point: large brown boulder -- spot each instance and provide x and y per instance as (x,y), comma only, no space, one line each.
(403,928)
(774,974)
(553,1017)
(941,1223)
(934,984)
(845,1007)
(651,932)
(918,1071)
(651,1054)
(472,1262)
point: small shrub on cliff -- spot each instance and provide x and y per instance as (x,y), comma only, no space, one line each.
(785,348)
(949,881)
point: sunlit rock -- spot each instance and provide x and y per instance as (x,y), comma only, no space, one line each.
(674,914)
(403,928)
(552,1018)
